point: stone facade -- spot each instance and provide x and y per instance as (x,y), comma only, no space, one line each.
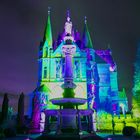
(94,71)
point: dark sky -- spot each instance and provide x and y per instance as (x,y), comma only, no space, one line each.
(22,25)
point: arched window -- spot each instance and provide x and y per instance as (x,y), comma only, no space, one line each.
(45,72)
(77,69)
(57,69)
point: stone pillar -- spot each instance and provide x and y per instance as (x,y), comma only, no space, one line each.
(88,119)
(79,122)
(35,123)
(94,121)
(68,66)
(47,124)
(42,121)
(58,131)
(92,84)
(90,124)
(68,51)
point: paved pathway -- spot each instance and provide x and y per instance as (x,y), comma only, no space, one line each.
(103,135)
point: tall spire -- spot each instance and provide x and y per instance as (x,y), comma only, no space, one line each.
(86,36)
(48,31)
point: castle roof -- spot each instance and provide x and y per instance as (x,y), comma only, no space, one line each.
(122,94)
(48,31)
(98,59)
(104,56)
(87,42)
(43,88)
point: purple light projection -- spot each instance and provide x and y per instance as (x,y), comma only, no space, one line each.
(116,23)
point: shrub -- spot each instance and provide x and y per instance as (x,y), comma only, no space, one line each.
(128,131)
(68,93)
(137,135)
(9,132)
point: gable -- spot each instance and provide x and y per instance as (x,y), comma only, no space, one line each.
(58,51)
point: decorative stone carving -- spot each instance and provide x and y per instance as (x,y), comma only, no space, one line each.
(68,26)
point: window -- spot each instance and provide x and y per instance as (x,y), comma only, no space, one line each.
(77,69)
(45,72)
(57,69)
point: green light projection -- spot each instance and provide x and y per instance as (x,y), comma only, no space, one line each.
(136,88)
(48,31)
(86,37)
(57,92)
(104,122)
(137,71)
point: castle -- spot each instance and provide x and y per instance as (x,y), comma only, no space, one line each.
(94,72)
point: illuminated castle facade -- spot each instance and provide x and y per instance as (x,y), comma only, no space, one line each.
(94,72)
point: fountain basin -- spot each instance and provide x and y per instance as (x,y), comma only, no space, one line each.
(64,101)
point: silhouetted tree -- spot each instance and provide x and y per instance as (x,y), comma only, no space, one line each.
(113,126)
(137,72)
(4,113)
(136,87)
(20,116)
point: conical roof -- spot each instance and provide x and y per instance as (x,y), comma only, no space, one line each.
(43,88)
(48,31)
(87,42)
(122,94)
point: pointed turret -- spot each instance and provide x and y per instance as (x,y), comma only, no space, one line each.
(87,43)
(48,31)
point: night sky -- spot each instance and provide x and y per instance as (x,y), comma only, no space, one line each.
(22,23)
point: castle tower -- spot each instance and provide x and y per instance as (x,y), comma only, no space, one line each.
(93,72)
(47,39)
(45,51)
(91,69)
(41,93)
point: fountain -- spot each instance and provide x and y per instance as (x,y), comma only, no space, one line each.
(68,116)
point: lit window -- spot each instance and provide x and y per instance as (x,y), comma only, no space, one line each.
(77,69)
(57,69)
(45,72)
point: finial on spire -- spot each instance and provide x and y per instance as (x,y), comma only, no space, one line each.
(49,10)
(48,31)
(68,13)
(86,35)
(85,19)
(108,45)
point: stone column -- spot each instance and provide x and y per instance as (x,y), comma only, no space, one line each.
(79,122)
(68,66)
(58,131)
(47,124)
(90,124)
(94,121)
(68,51)
(35,123)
